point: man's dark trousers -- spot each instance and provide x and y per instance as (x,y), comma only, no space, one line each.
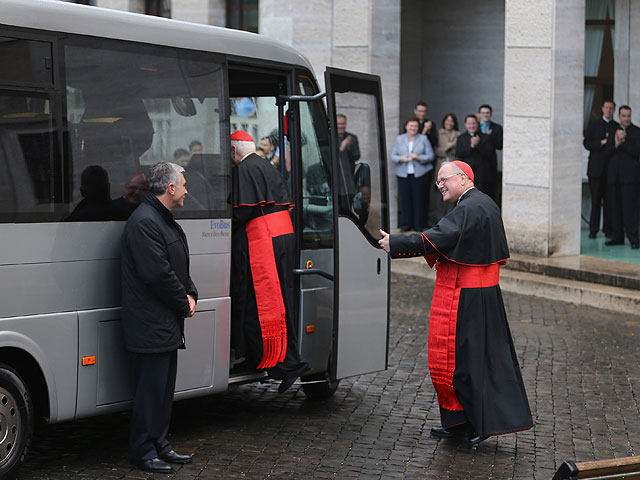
(154,382)
(598,187)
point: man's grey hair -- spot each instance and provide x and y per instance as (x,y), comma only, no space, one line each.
(243,147)
(161,175)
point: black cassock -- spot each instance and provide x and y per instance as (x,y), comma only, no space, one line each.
(472,360)
(262,257)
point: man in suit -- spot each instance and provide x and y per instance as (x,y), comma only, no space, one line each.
(475,148)
(157,294)
(623,180)
(426,127)
(494,131)
(595,140)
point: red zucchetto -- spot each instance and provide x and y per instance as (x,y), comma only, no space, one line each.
(465,167)
(241,136)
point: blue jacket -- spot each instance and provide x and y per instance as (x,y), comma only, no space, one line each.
(421,147)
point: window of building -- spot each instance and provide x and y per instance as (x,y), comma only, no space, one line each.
(243,15)
(159,8)
(598,56)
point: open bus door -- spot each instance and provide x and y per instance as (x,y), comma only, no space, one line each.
(361,267)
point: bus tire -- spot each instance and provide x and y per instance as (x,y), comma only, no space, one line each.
(16,421)
(322,390)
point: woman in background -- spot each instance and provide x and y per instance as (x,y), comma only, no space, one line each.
(445,151)
(413,156)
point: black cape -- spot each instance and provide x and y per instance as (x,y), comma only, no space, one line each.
(487,379)
(259,189)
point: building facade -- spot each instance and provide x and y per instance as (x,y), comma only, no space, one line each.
(541,65)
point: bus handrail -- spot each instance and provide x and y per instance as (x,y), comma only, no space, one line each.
(313,271)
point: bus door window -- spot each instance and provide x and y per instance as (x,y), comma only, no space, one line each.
(317,192)
(130,106)
(30,153)
(359,176)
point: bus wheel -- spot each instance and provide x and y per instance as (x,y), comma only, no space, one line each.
(16,421)
(323,388)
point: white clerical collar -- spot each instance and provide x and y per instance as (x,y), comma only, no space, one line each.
(462,195)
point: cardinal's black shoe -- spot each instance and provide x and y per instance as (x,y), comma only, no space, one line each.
(441,433)
(154,465)
(476,439)
(173,457)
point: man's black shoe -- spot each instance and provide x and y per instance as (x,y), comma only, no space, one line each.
(441,433)
(173,457)
(592,235)
(635,246)
(609,243)
(287,382)
(476,439)
(154,465)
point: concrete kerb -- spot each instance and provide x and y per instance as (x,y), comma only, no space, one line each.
(580,293)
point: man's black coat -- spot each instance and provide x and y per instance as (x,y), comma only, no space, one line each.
(596,131)
(155,279)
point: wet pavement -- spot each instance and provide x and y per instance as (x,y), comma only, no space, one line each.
(581,368)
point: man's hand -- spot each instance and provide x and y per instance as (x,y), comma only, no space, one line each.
(474,141)
(384,241)
(621,135)
(346,143)
(192,305)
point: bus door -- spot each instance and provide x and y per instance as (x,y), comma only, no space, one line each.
(361,208)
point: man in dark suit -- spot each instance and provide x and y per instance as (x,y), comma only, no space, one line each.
(426,127)
(595,140)
(623,180)
(157,295)
(475,148)
(494,131)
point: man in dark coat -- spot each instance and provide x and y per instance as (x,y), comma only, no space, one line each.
(426,127)
(472,360)
(263,259)
(157,294)
(596,136)
(475,148)
(623,180)
(494,131)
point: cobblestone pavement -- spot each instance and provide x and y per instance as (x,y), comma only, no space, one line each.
(581,368)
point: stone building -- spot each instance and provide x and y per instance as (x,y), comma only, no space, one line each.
(544,66)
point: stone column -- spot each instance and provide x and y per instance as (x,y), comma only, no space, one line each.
(211,12)
(362,35)
(543,104)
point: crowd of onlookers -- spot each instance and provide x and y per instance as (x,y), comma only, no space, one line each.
(421,150)
(614,175)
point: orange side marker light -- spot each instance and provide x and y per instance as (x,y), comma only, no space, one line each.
(88,360)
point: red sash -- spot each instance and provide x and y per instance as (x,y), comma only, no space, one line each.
(451,277)
(266,283)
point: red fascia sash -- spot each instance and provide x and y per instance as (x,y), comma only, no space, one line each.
(450,279)
(266,283)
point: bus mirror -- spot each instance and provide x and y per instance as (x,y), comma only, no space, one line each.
(183,106)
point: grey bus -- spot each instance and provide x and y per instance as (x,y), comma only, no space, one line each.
(89,99)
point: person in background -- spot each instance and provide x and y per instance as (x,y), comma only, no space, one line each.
(474,148)
(596,136)
(445,151)
(623,180)
(181,157)
(195,147)
(413,156)
(269,149)
(494,131)
(426,127)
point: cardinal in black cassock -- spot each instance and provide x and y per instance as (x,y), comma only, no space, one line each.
(262,257)
(471,357)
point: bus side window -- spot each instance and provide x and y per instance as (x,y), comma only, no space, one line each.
(30,153)
(131,106)
(317,191)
